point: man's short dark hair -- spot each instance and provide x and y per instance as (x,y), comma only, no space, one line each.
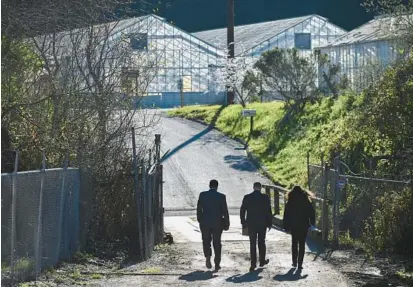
(257,185)
(213,183)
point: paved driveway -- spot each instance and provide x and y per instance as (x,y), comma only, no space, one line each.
(198,154)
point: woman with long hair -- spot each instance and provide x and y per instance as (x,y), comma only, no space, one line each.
(299,215)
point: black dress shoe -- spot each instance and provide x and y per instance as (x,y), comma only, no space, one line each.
(208,262)
(300,267)
(217,267)
(294,265)
(252,268)
(266,261)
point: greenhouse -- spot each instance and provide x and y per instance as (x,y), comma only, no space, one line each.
(189,62)
(188,68)
(364,52)
(303,33)
(185,64)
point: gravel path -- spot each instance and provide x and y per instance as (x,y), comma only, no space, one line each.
(196,155)
(182,264)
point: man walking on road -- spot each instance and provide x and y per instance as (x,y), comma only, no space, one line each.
(212,215)
(259,218)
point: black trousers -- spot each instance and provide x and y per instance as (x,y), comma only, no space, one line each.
(253,234)
(298,245)
(212,234)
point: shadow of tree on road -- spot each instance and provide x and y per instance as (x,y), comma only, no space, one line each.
(240,162)
(198,276)
(195,137)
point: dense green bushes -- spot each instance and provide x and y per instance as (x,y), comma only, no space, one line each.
(393,223)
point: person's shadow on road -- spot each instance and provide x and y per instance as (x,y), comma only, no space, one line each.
(198,276)
(290,276)
(247,277)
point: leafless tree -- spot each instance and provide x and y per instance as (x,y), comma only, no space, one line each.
(67,54)
(86,71)
(74,82)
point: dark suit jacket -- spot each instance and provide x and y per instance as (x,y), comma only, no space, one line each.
(258,208)
(212,210)
(298,215)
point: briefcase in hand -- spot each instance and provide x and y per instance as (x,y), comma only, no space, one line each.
(224,224)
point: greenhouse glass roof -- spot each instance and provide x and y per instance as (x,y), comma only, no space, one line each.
(380,28)
(251,35)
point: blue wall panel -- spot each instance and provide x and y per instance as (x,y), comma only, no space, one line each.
(173,99)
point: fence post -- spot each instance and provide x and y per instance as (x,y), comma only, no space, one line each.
(371,197)
(162,208)
(38,251)
(336,203)
(158,147)
(411,181)
(277,201)
(136,193)
(325,215)
(159,184)
(147,209)
(13,213)
(268,192)
(62,199)
(308,170)
(144,209)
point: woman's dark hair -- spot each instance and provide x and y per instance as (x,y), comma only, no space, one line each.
(298,193)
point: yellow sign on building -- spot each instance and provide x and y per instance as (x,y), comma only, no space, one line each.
(187,84)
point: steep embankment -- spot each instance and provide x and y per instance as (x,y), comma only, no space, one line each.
(279,141)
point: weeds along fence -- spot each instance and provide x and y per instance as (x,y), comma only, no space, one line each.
(148,191)
(40,222)
(46,214)
(356,200)
(349,208)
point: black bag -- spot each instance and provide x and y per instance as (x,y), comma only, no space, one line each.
(224,224)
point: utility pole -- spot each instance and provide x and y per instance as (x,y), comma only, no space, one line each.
(231,46)
(181,89)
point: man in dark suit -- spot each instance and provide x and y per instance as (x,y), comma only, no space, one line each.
(212,215)
(259,218)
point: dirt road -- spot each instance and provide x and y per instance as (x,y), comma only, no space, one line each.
(183,264)
(196,155)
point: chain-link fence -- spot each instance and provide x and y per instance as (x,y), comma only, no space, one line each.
(40,220)
(360,198)
(148,190)
(321,183)
(355,200)
(46,215)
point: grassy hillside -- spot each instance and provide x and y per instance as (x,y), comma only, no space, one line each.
(373,125)
(281,144)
